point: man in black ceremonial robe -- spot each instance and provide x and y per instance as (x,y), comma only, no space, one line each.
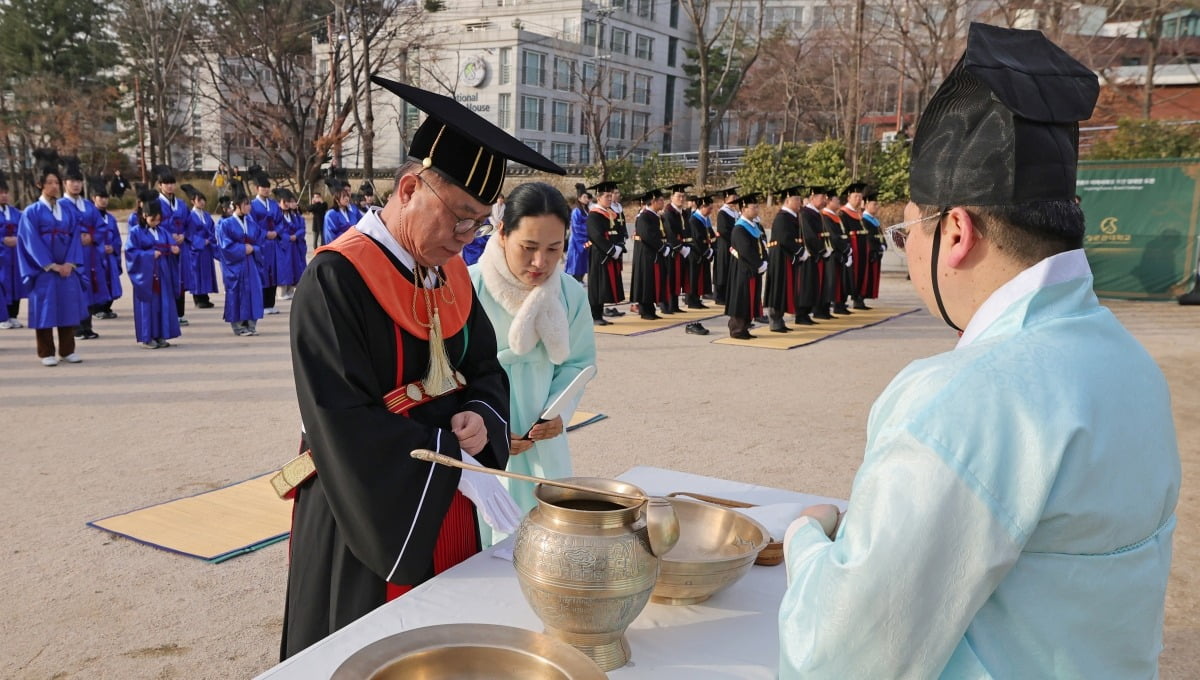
(680,241)
(856,233)
(837,276)
(726,216)
(814,295)
(785,252)
(748,261)
(651,255)
(605,247)
(391,352)
(699,278)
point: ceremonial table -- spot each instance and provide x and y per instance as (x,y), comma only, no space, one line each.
(732,635)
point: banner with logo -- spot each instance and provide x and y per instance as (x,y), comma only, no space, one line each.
(1141,226)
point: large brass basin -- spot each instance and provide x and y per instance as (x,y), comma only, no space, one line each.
(716,547)
(466,651)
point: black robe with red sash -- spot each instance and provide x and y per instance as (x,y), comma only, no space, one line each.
(373,522)
(856,232)
(747,253)
(813,296)
(604,283)
(650,276)
(783,263)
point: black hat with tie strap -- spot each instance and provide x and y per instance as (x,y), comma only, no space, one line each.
(462,146)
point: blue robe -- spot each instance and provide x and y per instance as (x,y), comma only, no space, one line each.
(297,249)
(12,284)
(54,300)
(112,261)
(153,280)
(535,381)
(1012,517)
(242,273)
(285,275)
(176,219)
(202,242)
(94,274)
(577,254)
(472,251)
(267,215)
(336,224)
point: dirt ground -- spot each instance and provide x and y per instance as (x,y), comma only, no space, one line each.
(130,427)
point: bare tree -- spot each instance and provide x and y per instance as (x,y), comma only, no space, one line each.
(718,83)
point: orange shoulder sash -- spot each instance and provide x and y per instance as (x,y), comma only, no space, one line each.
(397,295)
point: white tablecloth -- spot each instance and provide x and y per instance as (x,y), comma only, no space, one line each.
(733,635)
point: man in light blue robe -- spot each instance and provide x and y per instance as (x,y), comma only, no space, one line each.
(1013,514)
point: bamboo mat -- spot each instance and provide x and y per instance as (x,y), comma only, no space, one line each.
(632,324)
(212,526)
(806,335)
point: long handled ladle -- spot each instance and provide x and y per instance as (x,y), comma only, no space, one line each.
(662,525)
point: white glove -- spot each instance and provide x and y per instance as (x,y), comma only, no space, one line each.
(619,250)
(708,254)
(762,267)
(826,253)
(849,260)
(685,251)
(804,255)
(490,497)
(666,250)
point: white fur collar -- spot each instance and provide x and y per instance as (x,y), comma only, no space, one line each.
(538,311)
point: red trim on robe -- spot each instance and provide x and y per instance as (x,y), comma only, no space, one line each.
(456,541)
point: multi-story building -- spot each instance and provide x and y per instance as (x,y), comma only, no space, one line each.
(572,80)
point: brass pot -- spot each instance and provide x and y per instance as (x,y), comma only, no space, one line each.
(586,563)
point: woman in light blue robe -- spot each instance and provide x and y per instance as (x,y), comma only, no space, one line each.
(148,252)
(543,330)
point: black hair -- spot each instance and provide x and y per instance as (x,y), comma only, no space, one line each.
(534,199)
(1028,232)
(148,205)
(45,172)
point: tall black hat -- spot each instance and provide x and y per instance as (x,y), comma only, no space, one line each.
(728,192)
(191,191)
(752,197)
(283,194)
(798,190)
(580,189)
(462,146)
(98,187)
(149,200)
(677,188)
(256,174)
(813,189)
(72,169)
(366,188)
(703,200)
(1003,128)
(872,194)
(3,181)
(163,174)
(648,196)
(855,187)
(604,186)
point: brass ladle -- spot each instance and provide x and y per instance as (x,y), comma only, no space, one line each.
(662,526)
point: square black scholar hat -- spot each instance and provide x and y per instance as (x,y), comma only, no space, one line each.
(462,146)
(1003,128)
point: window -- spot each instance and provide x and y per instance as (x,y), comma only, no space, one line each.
(585,154)
(638,155)
(570,29)
(645,8)
(588,77)
(535,144)
(533,68)
(619,4)
(674,13)
(533,113)
(593,33)
(645,47)
(505,65)
(560,152)
(613,151)
(616,124)
(641,89)
(640,125)
(620,85)
(564,118)
(672,48)
(563,71)
(620,41)
(504,115)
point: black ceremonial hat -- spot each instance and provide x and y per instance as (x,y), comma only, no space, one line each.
(1003,128)
(753,197)
(703,200)
(97,187)
(728,192)
(854,188)
(817,189)
(72,169)
(258,176)
(164,174)
(872,194)
(798,190)
(464,147)
(366,189)
(602,187)
(648,196)
(677,187)
(3,181)
(190,190)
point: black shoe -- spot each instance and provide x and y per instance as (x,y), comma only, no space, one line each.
(695,329)
(613,312)
(205,305)
(859,305)
(843,310)
(80,333)
(601,322)
(719,301)
(90,334)
(697,306)
(780,329)
(109,314)
(804,321)
(761,319)
(742,336)
(651,317)
(822,315)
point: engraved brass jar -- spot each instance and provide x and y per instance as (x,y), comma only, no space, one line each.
(586,564)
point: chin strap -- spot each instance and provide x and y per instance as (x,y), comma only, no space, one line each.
(933,273)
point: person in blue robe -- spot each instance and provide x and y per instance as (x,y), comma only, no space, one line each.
(267,215)
(202,245)
(175,219)
(473,250)
(1013,514)
(12,286)
(148,252)
(290,221)
(241,241)
(110,245)
(544,335)
(91,235)
(338,218)
(577,245)
(50,256)
(298,249)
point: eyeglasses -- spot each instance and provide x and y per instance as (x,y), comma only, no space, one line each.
(464,225)
(899,232)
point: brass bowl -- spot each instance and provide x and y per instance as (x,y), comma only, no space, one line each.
(463,651)
(716,547)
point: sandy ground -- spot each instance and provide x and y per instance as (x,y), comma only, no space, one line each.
(130,427)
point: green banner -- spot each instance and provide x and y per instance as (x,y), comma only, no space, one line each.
(1141,226)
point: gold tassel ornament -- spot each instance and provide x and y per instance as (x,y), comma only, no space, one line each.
(439,379)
